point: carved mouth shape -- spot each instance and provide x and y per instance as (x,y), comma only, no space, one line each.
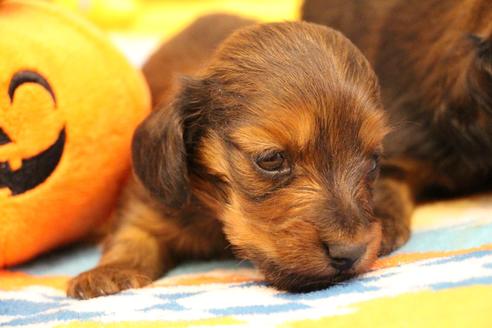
(34,170)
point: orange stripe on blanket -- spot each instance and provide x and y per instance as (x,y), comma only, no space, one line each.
(400,259)
(194,280)
(17,280)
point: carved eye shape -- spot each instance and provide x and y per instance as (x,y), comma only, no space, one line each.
(23,77)
(272,162)
(4,138)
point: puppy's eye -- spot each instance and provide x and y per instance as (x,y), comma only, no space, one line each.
(374,166)
(273,162)
(374,162)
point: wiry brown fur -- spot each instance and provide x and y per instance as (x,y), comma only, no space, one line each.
(187,53)
(434,61)
(295,88)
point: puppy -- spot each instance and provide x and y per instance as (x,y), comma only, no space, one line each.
(270,150)
(434,61)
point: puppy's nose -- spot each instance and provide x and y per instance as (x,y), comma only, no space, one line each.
(343,257)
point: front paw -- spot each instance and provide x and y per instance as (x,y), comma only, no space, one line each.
(395,235)
(105,280)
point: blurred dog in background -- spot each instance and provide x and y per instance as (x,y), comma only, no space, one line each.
(434,62)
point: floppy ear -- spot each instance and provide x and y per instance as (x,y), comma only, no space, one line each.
(163,144)
(159,155)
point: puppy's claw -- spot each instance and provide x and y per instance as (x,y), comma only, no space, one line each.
(80,294)
(105,280)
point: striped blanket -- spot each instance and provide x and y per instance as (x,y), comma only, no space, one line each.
(441,278)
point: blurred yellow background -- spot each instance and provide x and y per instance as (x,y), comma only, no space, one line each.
(137,27)
(166,17)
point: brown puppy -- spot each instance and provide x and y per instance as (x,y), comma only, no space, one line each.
(434,61)
(272,149)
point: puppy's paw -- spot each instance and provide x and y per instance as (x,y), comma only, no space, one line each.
(105,280)
(395,235)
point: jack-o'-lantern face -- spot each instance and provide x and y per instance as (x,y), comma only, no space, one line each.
(69,102)
(32,140)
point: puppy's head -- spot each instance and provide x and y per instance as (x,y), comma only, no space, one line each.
(280,137)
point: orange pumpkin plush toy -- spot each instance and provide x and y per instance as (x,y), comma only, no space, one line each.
(69,103)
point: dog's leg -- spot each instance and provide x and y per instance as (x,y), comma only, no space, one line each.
(395,197)
(133,256)
(394,204)
(146,244)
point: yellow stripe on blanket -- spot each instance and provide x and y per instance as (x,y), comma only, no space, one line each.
(471,210)
(460,307)
(225,321)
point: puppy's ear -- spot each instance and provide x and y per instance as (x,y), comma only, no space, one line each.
(162,144)
(159,155)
